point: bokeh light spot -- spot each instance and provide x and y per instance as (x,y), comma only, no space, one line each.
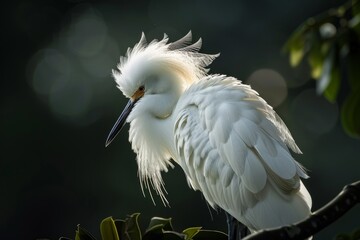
(68,75)
(313,113)
(70,100)
(98,66)
(327,30)
(270,85)
(87,35)
(49,65)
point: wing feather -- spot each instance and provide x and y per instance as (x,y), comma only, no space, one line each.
(238,144)
(254,176)
(282,163)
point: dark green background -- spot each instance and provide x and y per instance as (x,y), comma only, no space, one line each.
(59,101)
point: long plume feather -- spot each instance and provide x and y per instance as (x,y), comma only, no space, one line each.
(184,58)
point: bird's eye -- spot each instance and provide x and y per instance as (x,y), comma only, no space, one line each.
(141,88)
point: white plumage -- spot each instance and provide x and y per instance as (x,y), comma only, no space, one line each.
(230,143)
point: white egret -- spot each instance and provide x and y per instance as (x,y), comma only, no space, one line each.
(230,143)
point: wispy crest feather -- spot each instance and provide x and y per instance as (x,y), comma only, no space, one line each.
(181,56)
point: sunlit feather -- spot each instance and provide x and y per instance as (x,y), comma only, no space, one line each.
(230,143)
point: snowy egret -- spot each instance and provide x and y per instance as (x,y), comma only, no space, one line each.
(230,143)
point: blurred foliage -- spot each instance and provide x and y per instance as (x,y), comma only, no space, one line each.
(330,43)
(158,228)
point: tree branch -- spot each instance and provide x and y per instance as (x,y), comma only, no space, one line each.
(320,219)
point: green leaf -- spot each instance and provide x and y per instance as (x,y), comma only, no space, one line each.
(355,7)
(295,46)
(64,238)
(118,229)
(165,222)
(296,55)
(108,229)
(316,56)
(158,227)
(83,234)
(354,70)
(171,235)
(191,232)
(332,89)
(325,78)
(354,23)
(350,114)
(133,229)
(121,229)
(210,234)
(155,228)
(155,232)
(329,82)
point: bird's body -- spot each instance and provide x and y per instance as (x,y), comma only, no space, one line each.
(230,143)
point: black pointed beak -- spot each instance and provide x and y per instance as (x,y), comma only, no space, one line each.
(120,122)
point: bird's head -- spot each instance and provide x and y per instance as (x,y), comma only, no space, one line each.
(153,76)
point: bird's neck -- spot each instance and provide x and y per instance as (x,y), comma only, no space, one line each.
(152,142)
(162,134)
(151,132)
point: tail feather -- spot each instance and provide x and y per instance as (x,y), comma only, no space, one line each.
(275,210)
